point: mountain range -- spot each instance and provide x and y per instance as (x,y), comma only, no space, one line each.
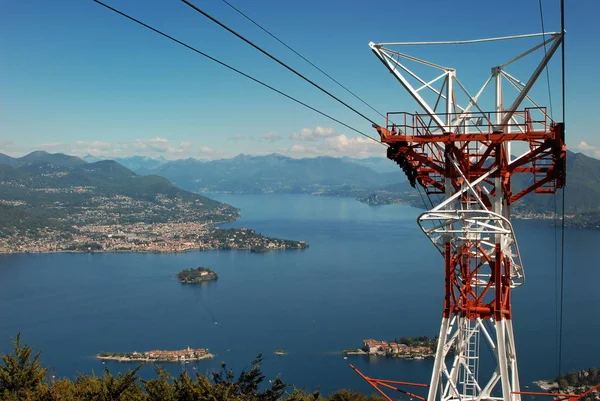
(39,156)
(369,180)
(271,173)
(373,180)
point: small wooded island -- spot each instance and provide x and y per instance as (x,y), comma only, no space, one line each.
(198,275)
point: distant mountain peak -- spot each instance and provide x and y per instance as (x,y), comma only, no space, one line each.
(41,156)
(39,153)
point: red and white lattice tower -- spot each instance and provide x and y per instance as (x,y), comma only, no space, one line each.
(465,154)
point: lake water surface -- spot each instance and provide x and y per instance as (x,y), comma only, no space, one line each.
(369,273)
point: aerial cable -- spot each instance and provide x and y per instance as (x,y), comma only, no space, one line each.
(277,60)
(545,55)
(422,199)
(302,57)
(235,70)
(562,255)
(555,215)
(556,285)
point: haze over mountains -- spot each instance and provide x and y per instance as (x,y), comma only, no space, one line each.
(346,177)
(270,173)
(370,180)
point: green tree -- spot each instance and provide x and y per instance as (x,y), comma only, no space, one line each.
(21,373)
(248,383)
(593,375)
(347,395)
(572,378)
(161,388)
(563,384)
(108,387)
(23,378)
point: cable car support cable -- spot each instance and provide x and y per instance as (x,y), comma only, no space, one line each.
(269,55)
(302,57)
(235,70)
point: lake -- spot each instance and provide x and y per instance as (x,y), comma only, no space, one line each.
(369,273)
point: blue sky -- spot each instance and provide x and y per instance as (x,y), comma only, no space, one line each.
(77,78)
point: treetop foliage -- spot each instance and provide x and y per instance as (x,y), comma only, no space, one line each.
(22,377)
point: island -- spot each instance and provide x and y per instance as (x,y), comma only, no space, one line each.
(198,275)
(574,382)
(404,347)
(184,355)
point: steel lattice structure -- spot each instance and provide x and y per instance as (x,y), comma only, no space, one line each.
(464,154)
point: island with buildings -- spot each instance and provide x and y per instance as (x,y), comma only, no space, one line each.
(198,275)
(575,382)
(184,355)
(405,347)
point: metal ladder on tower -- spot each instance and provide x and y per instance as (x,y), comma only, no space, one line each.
(470,385)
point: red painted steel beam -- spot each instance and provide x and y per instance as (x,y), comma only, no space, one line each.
(387,384)
(570,397)
(449,138)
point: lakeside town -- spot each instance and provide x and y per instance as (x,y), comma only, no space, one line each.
(145,237)
(184,355)
(405,347)
(47,210)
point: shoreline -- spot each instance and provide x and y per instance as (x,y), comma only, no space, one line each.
(157,252)
(407,357)
(147,359)
(546,384)
(208,239)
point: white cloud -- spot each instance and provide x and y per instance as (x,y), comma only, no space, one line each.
(356,146)
(51,145)
(152,147)
(309,134)
(14,149)
(337,146)
(326,143)
(301,151)
(158,145)
(588,149)
(271,136)
(94,148)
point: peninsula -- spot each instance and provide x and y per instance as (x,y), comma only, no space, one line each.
(198,275)
(60,203)
(183,355)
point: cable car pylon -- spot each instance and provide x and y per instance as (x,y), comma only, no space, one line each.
(465,155)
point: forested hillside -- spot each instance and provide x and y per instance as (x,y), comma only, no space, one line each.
(57,191)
